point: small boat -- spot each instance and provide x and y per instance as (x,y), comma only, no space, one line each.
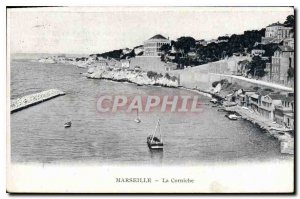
(153,141)
(214,100)
(68,124)
(137,119)
(231,116)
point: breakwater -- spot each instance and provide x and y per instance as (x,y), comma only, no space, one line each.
(33,99)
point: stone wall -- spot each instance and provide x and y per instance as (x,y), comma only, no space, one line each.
(148,63)
(194,77)
(201,78)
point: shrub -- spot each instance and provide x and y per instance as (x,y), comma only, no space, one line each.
(222,81)
(215,83)
(167,76)
(152,74)
(173,78)
(269,90)
(255,88)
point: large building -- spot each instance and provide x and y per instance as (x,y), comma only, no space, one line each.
(282,60)
(284,32)
(275,33)
(152,46)
(272,29)
(151,57)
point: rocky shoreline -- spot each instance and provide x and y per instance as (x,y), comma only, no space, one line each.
(139,78)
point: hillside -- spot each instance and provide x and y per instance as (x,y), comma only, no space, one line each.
(121,53)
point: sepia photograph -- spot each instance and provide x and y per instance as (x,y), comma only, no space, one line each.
(150,99)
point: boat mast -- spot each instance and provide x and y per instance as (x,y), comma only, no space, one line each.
(160,133)
(155,130)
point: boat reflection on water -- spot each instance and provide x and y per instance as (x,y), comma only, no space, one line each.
(156,155)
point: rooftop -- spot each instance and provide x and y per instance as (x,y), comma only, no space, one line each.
(286,48)
(289,114)
(289,99)
(263,92)
(158,37)
(275,24)
(277,96)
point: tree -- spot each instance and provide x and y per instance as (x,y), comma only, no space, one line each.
(270,49)
(236,44)
(116,54)
(152,74)
(167,76)
(256,67)
(291,72)
(223,38)
(165,48)
(290,22)
(184,44)
(128,55)
(243,65)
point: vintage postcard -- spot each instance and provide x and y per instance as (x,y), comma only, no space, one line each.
(150,99)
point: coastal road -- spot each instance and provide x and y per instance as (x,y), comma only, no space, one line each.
(259,82)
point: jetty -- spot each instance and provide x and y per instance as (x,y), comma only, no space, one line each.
(33,99)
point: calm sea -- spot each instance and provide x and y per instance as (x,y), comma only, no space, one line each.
(38,134)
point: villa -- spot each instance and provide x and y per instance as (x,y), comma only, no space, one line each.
(275,33)
(152,46)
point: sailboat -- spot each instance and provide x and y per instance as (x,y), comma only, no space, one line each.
(68,124)
(137,119)
(153,141)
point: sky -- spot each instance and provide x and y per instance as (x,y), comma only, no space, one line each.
(87,30)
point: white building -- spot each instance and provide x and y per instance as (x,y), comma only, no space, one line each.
(257,52)
(275,33)
(152,46)
(272,29)
(125,63)
(282,60)
(102,63)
